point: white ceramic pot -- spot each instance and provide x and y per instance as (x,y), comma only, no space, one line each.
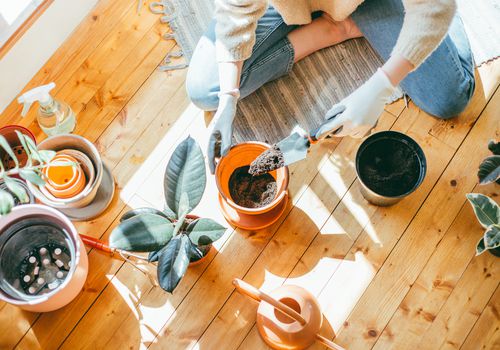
(19,244)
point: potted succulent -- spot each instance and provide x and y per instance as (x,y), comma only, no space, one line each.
(486,209)
(12,190)
(172,237)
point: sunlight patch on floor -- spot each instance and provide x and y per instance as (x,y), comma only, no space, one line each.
(159,156)
(344,289)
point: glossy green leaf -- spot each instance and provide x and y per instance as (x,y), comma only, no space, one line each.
(492,237)
(134,212)
(489,170)
(480,248)
(17,190)
(196,253)
(205,231)
(494,147)
(173,262)
(169,213)
(142,233)
(31,176)
(6,202)
(5,145)
(153,256)
(183,211)
(185,173)
(485,208)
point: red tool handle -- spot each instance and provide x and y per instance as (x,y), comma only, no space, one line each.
(97,244)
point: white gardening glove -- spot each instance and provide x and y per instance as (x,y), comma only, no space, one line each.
(358,113)
(221,134)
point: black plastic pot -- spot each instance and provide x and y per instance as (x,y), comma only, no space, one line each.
(390,165)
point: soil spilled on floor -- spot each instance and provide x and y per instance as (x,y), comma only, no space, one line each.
(269,160)
(252,191)
(389,168)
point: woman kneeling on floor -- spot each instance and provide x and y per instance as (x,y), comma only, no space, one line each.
(250,43)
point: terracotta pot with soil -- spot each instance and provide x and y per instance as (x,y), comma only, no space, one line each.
(9,132)
(390,166)
(250,202)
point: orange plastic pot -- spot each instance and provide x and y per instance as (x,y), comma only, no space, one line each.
(249,218)
(65,181)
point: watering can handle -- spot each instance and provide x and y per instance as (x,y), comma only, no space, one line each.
(328,343)
(256,294)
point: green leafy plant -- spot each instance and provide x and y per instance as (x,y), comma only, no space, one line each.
(488,214)
(172,237)
(489,169)
(31,171)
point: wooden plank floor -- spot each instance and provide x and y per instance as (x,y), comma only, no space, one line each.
(403,277)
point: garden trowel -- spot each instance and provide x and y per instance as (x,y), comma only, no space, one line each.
(291,149)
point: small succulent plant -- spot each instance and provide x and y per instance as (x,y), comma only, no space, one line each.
(489,169)
(172,237)
(31,171)
(488,214)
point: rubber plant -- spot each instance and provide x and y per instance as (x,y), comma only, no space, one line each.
(31,171)
(172,237)
(485,208)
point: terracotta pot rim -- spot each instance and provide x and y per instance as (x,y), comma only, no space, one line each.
(253,211)
(21,128)
(51,213)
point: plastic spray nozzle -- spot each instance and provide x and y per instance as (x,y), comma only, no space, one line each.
(40,94)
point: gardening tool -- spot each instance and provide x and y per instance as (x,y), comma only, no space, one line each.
(295,147)
(287,318)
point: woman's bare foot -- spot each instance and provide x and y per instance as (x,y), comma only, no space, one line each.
(320,33)
(347,27)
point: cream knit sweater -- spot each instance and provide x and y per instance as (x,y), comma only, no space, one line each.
(425,23)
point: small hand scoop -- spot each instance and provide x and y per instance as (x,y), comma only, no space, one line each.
(291,149)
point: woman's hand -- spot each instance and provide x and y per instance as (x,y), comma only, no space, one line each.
(358,113)
(221,133)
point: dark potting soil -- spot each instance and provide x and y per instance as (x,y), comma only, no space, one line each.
(269,160)
(389,167)
(251,191)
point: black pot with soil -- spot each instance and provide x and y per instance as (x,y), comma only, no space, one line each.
(390,165)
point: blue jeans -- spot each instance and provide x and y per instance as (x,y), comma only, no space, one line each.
(442,86)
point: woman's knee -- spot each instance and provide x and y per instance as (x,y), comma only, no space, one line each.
(449,102)
(199,92)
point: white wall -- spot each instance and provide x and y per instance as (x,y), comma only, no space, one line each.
(38,44)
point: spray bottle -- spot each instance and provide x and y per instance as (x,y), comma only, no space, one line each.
(54,117)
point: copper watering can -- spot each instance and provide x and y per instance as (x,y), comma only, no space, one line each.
(287,318)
